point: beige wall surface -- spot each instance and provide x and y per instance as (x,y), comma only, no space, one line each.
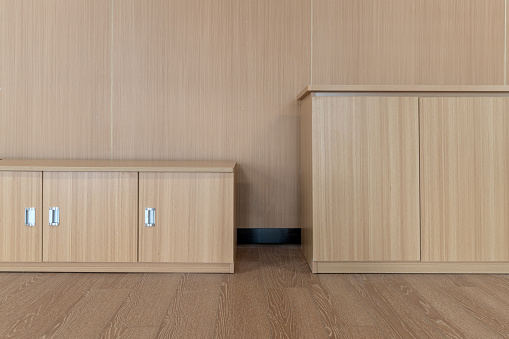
(55,79)
(217,79)
(409,42)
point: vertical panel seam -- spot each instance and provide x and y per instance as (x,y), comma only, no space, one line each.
(419,173)
(505,42)
(312,41)
(111,84)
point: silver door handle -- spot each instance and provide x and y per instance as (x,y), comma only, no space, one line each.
(54,216)
(150,217)
(30,216)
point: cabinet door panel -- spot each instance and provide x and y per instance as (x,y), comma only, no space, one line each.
(465,179)
(20,190)
(193,217)
(98,216)
(366,179)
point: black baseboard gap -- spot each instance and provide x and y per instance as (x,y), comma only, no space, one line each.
(286,236)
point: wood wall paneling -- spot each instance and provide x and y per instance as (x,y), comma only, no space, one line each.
(55,79)
(400,42)
(464,183)
(216,80)
(366,179)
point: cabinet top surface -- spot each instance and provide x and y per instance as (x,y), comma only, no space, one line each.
(400,89)
(116,166)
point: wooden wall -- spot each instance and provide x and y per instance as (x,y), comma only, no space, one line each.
(217,79)
(409,42)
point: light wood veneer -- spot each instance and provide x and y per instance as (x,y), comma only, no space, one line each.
(20,190)
(400,42)
(388,192)
(465,179)
(102,226)
(190,225)
(98,216)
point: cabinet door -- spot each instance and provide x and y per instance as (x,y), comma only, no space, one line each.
(365,179)
(18,242)
(98,216)
(465,178)
(193,217)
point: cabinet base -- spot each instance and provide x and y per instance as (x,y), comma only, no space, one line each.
(409,267)
(118,267)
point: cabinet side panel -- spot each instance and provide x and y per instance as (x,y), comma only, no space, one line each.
(367,172)
(20,190)
(306,177)
(98,213)
(464,179)
(194,217)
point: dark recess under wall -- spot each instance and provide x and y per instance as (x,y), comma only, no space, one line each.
(268,235)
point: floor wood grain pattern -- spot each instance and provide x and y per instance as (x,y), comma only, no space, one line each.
(43,310)
(272,295)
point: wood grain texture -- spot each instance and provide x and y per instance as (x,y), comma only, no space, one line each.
(432,288)
(118,267)
(399,42)
(71,324)
(116,166)
(144,306)
(61,293)
(216,81)
(365,179)
(55,79)
(195,302)
(410,267)
(243,299)
(464,182)
(306,178)
(252,304)
(20,190)
(98,216)
(434,90)
(193,217)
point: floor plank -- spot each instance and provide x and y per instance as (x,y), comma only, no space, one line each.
(272,295)
(192,312)
(28,319)
(462,317)
(145,305)
(242,309)
(393,308)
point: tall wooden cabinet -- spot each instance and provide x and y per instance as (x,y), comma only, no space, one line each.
(405,179)
(117,216)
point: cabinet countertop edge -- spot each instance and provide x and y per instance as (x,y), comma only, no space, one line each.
(116,166)
(403,88)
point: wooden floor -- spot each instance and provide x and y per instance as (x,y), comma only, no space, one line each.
(271,295)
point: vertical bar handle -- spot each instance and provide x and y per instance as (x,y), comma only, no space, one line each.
(54,216)
(30,216)
(150,217)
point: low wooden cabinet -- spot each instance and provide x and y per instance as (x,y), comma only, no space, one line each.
(405,179)
(89,216)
